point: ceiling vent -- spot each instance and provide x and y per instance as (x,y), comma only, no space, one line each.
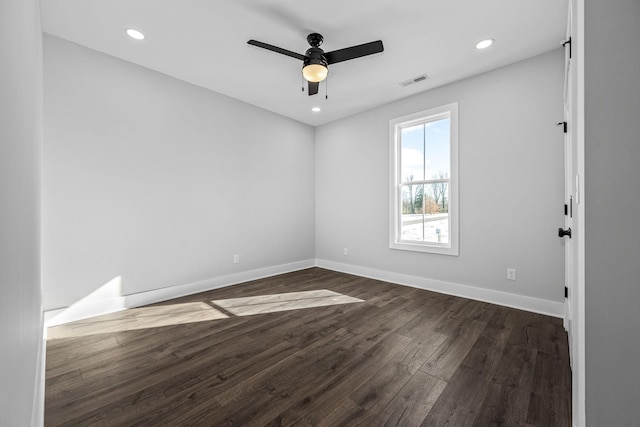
(417,79)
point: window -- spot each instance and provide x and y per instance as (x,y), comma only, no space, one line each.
(423,165)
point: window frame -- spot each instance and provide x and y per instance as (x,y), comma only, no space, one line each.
(395,181)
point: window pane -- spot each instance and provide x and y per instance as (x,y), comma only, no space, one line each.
(430,229)
(438,155)
(425,213)
(412,154)
(437,197)
(412,212)
(412,199)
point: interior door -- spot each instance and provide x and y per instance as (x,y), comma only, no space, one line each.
(570,185)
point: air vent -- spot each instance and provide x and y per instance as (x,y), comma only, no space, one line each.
(417,79)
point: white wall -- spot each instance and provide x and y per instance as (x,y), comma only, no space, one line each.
(21,391)
(160,182)
(511,184)
(612,186)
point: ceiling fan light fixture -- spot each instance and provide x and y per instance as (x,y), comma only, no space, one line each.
(315,72)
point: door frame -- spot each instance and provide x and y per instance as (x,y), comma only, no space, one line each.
(575,313)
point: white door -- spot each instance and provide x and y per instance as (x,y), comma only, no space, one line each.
(568,230)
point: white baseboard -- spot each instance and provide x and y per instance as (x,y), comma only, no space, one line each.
(157,295)
(89,307)
(95,307)
(536,305)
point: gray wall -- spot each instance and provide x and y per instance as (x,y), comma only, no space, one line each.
(511,183)
(161,182)
(612,206)
(20,150)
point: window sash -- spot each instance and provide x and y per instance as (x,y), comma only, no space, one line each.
(425,181)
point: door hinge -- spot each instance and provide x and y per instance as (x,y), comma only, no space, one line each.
(566,292)
(565,43)
(564,126)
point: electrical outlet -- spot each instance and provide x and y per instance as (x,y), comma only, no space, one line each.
(345,251)
(511,274)
(236,259)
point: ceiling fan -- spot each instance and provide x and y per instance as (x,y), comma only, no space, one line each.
(315,62)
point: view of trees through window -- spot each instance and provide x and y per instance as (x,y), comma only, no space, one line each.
(425,179)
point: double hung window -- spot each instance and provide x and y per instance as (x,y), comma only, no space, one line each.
(424,181)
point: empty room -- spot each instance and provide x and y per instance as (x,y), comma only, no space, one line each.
(258,212)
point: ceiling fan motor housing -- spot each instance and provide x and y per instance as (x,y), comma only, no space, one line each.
(314,55)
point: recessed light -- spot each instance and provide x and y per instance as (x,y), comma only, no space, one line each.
(315,109)
(483,44)
(134,34)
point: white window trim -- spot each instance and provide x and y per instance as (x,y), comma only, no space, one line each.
(451,248)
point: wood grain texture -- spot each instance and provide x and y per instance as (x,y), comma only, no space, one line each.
(403,357)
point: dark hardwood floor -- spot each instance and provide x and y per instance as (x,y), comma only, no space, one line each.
(403,357)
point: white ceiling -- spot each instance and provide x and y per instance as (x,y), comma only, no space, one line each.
(204,42)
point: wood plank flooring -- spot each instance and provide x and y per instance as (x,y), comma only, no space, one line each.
(403,357)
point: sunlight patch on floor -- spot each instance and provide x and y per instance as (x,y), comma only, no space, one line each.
(191,312)
(248,306)
(138,318)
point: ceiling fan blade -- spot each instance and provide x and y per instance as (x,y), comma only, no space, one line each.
(276,49)
(313,88)
(354,52)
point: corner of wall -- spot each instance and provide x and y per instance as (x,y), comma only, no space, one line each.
(37,414)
